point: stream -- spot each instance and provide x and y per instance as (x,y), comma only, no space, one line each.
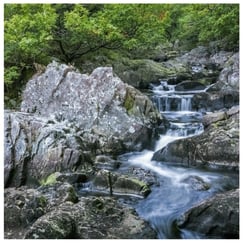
(177,188)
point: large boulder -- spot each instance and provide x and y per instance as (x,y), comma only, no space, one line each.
(216,147)
(97,103)
(68,118)
(214,218)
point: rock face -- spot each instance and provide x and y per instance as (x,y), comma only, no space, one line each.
(68,118)
(214,218)
(216,147)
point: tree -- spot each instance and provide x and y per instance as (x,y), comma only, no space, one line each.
(83,29)
(27,32)
(200,24)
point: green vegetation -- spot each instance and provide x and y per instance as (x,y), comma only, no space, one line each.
(50,180)
(71,33)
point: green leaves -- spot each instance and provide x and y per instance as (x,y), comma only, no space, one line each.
(41,32)
(203,23)
(27,33)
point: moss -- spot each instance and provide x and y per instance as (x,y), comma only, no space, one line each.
(129,103)
(72,196)
(42,201)
(50,180)
(144,188)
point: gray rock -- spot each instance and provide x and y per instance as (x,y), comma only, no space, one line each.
(213,117)
(214,101)
(95,100)
(214,218)
(74,118)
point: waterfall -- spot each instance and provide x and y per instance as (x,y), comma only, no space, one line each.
(172,196)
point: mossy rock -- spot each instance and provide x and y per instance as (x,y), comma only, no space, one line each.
(125,184)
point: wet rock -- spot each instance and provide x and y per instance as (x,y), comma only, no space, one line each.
(214,101)
(147,176)
(225,92)
(91,218)
(189,85)
(106,162)
(216,147)
(214,218)
(196,183)
(72,178)
(116,183)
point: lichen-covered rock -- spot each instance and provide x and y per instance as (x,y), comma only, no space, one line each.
(214,218)
(216,147)
(23,206)
(95,100)
(91,218)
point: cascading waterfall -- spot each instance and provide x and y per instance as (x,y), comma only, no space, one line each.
(173,195)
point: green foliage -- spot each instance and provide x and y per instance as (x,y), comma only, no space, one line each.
(50,180)
(203,23)
(12,73)
(68,32)
(27,32)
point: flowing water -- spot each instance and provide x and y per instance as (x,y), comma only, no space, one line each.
(177,188)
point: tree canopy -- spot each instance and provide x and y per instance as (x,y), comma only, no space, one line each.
(68,32)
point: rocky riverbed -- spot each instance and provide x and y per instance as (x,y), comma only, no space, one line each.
(62,176)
